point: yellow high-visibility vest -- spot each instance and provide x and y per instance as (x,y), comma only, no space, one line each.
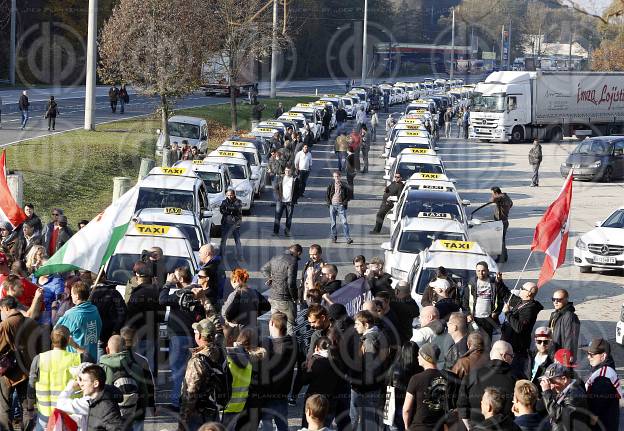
(241,378)
(54,375)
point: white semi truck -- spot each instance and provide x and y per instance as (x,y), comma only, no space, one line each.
(519,106)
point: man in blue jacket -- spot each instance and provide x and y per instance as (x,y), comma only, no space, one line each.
(83,321)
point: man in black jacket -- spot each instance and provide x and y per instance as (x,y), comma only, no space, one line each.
(281,275)
(520,317)
(406,309)
(24,105)
(276,371)
(502,206)
(394,189)
(378,280)
(341,117)
(211,261)
(288,190)
(564,323)
(232,210)
(565,399)
(112,308)
(337,197)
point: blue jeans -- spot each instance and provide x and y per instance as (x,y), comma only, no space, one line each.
(226,231)
(42,422)
(179,346)
(24,117)
(275,410)
(342,211)
(123,105)
(366,411)
(341,159)
(280,208)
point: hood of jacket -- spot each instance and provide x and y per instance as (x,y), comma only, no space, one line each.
(609,362)
(86,307)
(239,356)
(110,393)
(437,326)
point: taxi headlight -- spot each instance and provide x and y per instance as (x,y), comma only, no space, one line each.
(242,193)
(398,274)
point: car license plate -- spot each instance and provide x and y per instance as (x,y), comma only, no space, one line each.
(604,259)
(577,166)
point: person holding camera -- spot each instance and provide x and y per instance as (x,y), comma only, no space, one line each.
(185,309)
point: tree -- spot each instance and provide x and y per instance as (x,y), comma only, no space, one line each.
(610,55)
(157,46)
(534,25)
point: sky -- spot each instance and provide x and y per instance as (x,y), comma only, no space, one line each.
(593,6)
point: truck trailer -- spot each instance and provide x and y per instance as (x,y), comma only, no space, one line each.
(521,106)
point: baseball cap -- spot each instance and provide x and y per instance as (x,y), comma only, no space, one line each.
(3,259)
(440,283)
(205,328)
(429,352)
(565,357)
(555,370)
(543,332)
(598,346)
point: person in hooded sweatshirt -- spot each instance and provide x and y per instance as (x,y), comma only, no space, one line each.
(493,410)
(603,386)
(433,330)
(564,323)
(520,317)
(83,321)
(525,399)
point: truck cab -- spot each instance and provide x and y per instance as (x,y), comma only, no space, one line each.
(192,129)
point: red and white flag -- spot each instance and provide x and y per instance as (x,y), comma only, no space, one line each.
(551,233)
(9,210)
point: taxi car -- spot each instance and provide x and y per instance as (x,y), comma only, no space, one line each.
(240,174)
(175,187)
(415,141)
(184,220)
(413,235)
(249,150)
(459,258)
(602,247)
(414,160)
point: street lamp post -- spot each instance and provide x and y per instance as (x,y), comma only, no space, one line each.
(89,119)
(364,43)
(12,48)
(273,91)
(453,45)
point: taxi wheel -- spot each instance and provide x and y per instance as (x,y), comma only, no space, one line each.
(585,269)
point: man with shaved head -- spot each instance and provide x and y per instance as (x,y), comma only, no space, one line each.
(433,330)
(520,315)
(124,372)
(496,373)
(210,259)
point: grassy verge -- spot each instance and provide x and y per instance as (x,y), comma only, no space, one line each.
(75,170)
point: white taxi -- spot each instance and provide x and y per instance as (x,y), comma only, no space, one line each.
(349,106)
(602,247)
(240,174)
(414,160)
(249,150)
(459,258)
(420,144)
(413,235)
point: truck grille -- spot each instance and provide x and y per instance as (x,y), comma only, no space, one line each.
(606,249)
(484,122)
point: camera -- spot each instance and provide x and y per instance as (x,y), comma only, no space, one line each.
(187,301)
(145,255)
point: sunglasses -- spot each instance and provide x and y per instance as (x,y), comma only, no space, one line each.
(558,299)
(590,354)
(202,276)
(544,342)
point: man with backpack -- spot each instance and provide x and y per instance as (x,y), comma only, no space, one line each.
(503,204)
(127,376)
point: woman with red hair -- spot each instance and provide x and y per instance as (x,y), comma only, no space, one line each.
(244,304)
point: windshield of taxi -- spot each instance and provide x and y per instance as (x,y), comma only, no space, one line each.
(460,278)
(415,242)
(413,208)
(212,181)
(183,130)
(237,172)
(120,265)
(407,169)
(164,198)
(594,147)
(398,147)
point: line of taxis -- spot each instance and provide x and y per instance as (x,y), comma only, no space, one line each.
(430,225)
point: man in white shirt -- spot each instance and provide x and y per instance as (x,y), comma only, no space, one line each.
(303,165)
(288,191)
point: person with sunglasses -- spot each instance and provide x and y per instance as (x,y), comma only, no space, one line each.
(564,323)
(540,358)
(520,315)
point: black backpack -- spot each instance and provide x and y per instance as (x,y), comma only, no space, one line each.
(129,388)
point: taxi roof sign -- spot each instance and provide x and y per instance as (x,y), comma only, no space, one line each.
(172,210)
(435,215)
(425,151)
(226,153)
(239,144)
(428,176)
(265,130)
(413,133)
(173,171)
(304,105)
(451,245)
(151,229)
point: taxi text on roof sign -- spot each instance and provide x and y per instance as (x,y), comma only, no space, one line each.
(237,143)
(264,129)
(304,105)
(151,229)
(427,176)
(173,171)
(413,133)
(173,210)
(411,121)
(434,215)
(457,245)
(227,153)
(420,151)
(198,162)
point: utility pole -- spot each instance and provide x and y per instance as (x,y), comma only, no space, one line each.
(274,53)
(453,45)
(502,46)
(12,48)
(89,121)
(364,43)
(509,46)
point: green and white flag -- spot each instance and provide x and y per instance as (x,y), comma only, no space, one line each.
(93,245)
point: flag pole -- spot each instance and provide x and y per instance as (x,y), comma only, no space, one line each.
(97,279)
(520,276)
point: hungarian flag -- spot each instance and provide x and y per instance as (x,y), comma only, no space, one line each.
(551,233)
(94,244)
(9,210)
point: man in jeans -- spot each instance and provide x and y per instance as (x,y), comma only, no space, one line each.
(281,275)
(337,197)
(23,107)
(288,192)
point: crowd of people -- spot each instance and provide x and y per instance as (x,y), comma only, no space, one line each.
(73,348)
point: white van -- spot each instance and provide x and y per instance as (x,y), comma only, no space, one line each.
(181,127)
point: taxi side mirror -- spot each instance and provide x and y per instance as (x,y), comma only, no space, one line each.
(206,214)
(386,246)
(386,177)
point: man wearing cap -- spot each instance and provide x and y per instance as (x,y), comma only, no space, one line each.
(205,383)
(57,235)
(496,373)
(422,409)
(564,323)
(603,386)
(540,358)
(518,325)
(443,302)
(565,399)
